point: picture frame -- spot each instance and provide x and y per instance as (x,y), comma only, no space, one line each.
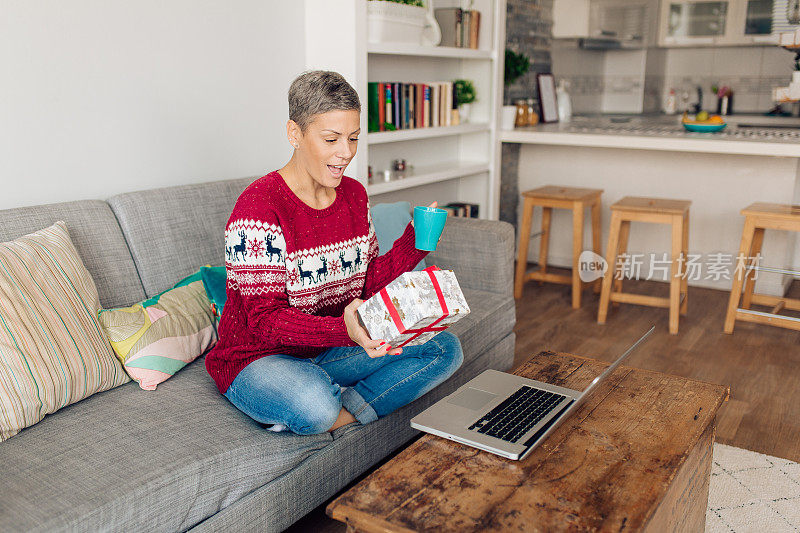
(548,102)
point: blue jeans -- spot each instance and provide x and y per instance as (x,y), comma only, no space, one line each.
(306,395)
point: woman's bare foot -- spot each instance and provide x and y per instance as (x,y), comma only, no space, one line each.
(344,418)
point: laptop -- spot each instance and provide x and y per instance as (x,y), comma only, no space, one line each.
(505,414)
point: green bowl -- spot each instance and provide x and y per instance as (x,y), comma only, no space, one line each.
(704,128)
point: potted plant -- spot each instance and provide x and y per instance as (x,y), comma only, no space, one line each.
(402,21)
(465,95)
(796,72)
(516,65)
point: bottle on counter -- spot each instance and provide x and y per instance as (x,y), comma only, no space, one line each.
(684,103)
(522,114)
(564,101)
(725,101)
(671,103)
(533,116)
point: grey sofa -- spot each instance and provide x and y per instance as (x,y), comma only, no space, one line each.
(182,457)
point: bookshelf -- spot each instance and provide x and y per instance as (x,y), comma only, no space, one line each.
(451,164)
(430,174)
(392,49)
(425,133)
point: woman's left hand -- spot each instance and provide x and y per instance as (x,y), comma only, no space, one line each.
(359,335)
(434,204)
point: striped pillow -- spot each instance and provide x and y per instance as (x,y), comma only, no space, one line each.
(52,349)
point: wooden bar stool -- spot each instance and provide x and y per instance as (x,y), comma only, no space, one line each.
(656,211)
(758,217)
(548,198)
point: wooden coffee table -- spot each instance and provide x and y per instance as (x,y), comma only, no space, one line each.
(637,456)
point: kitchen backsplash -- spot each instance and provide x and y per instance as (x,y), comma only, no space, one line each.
(616,81)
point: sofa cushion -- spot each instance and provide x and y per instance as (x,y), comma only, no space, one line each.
(95,233)
(390,221)
(52,349)
(156,338)
(492,316)
(131,460)
(169,235)
(354,450)
(185,452)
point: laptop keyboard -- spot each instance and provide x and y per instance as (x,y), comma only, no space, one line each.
(521,411)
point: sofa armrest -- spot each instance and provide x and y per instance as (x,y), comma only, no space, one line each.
(480,252)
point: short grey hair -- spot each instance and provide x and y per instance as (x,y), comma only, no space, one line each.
(320,91)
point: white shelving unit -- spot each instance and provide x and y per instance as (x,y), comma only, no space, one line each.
(397,49)
(430,174)
(381,137)
(455,163)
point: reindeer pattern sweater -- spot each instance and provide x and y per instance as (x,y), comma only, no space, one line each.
(292,269)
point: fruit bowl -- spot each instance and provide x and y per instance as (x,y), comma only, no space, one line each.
(703,122)
(703,127)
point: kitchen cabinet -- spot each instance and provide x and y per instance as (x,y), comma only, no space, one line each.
(626,21)
(570,19)
(716,23)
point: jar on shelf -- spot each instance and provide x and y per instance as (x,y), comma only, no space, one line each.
(533,116)
(522,114)
(399,167)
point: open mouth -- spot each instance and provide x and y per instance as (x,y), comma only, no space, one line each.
(336,170)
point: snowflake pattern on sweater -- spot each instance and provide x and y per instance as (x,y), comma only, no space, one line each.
(254,253)
(258,262)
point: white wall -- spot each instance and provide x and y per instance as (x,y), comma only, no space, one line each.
(585,71)
(624,81)
(99,97)
(752,72)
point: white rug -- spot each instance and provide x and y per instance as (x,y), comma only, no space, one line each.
(752,492)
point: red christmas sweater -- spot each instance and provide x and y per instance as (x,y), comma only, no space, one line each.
(292,269)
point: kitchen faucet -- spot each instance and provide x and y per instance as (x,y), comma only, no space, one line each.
(699,105)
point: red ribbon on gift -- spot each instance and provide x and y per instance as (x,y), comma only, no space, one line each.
(418,331)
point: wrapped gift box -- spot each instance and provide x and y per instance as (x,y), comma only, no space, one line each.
(413,308)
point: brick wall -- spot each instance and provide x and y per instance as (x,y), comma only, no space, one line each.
(528,31)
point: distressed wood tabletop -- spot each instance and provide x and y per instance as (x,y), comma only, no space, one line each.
(636,456)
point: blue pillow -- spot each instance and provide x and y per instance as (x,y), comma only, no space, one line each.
(390,221)
(214,281)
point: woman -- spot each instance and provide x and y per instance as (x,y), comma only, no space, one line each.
(301,256)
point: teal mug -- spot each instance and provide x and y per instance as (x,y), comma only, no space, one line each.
(428,227)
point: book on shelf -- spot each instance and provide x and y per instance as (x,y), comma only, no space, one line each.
(399,106)
(373,112)
(381,107)
(462,209)
(387,92)
(474,29)
(396,105)
(426,122)
(460,27)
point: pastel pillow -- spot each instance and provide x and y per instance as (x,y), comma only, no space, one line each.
(52,349)
(156,338)
(390,221)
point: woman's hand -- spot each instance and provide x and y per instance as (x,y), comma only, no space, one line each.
(434,204)
(374,348)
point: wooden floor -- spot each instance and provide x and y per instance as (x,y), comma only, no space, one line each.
(761,364)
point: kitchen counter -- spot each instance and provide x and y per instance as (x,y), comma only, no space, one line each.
(744,135)
(721,173)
